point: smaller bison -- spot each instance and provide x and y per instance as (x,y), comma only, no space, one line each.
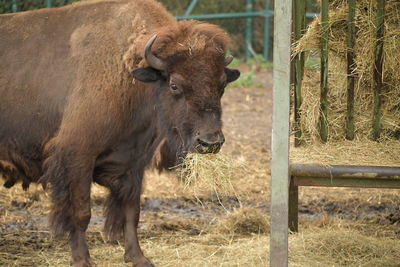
(91,91)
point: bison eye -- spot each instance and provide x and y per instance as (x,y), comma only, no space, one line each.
(175,89)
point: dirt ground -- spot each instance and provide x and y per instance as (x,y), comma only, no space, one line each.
(339,227)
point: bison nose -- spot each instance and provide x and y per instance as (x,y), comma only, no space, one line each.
(205,145)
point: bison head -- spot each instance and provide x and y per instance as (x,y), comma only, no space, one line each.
(190,89)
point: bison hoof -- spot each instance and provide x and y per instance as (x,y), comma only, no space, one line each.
(83,263)
(143,265)
(139,262)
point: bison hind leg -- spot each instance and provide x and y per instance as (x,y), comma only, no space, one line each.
(115,217)
(10,182)
(124,190)
(9,173)
(13,175)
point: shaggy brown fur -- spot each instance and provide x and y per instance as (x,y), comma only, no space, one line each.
(71,113)
(189,38)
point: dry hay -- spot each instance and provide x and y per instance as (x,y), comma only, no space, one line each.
(357,152)
(210,172)
(325,242)
(364,51)
(244,221)
(340,243)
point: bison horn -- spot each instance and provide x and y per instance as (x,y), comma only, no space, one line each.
(228,60)
(151,59)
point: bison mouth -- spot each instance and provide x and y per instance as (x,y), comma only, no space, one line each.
(207,148)
(172,152)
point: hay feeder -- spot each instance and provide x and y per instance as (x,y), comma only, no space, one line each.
(287,177)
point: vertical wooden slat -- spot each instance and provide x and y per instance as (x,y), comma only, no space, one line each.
(323,119)
(280,135)
(293,207)
(380,19)
(266,30)
(299,28)
(351,37)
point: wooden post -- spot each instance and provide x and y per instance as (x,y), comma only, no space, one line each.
(380,19)
(351,37)
(280,135)
(323,118)
(299,27)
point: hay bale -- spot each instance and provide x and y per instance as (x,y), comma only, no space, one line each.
(244,221)
(364,52)
(210,172)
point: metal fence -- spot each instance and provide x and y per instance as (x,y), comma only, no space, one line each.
(249,14)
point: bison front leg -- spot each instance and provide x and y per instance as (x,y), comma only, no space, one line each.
(123,211)
(69,174)
(133,253)
(80,200)
(80,256)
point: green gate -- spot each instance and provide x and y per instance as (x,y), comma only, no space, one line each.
(249,14)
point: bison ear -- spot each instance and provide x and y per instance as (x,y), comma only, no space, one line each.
(231,75)
(146,75)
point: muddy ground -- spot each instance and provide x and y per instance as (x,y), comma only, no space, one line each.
(176,229)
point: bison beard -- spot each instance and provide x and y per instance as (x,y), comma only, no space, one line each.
(122,82)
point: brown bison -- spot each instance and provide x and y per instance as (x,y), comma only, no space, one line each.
(90,91)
